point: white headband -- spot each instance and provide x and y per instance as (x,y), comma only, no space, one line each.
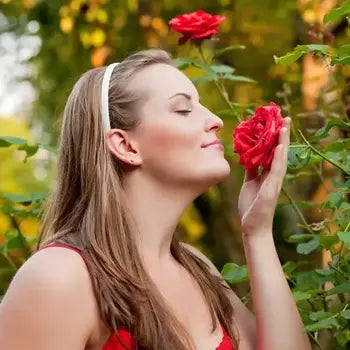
(104,96)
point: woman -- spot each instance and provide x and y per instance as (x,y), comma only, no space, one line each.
(134,152)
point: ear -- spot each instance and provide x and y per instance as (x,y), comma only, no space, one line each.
(121,145)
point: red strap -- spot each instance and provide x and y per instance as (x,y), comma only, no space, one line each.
(68,247)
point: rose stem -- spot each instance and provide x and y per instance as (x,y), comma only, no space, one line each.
(288,105)
(221,88)
(297,210)
(342,246)
(336,164)
(335,83)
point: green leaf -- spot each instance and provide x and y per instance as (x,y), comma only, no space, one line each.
(343,61)
(341,288)
(322,324)
(6,141)
(300,50)
(25,199)
(297,238)
(316,48)
(335,156)
(298,156)
(205,79)
(222,69)
(325,272)
(328,240)
(23,145)
(335,199)
(344,50)
(342,56)
(234,273)
(182,63)
(238,78)
(228,48)
(323,132)
(289,58)
(308,247)
(319,315)
(343,337)
(289,267)
(206,68)
(299,296)
(48,148)
(345,314)
(337,13)
(29,149)
(337,146)
(344,237)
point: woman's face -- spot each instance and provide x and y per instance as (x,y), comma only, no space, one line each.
(174,129)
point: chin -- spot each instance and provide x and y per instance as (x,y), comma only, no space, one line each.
(219,174)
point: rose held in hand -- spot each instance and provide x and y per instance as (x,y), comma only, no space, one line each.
(196,25)
(256,139)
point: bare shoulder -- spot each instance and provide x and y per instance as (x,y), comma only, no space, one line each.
(50,295)
(243,317)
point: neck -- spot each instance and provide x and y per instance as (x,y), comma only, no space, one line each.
(156,210)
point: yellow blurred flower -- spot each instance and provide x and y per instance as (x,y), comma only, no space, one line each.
(30,227)
(5,223)
(66,24)
(98,37)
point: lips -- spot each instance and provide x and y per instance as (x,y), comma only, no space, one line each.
(216,142)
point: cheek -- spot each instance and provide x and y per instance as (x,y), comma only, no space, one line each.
(174,143)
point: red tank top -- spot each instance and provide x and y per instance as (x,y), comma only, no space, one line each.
(113,343)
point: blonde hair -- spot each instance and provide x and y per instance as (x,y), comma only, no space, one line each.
(87,210)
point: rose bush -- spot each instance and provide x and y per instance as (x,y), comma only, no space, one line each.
(196,25)
(256,138)
(321,294)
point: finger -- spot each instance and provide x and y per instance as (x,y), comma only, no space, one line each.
(274,177)
(250,174)
(277,157)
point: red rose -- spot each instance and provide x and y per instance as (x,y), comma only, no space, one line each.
(256,139)
(196,25)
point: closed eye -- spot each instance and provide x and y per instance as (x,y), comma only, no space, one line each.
(184,112)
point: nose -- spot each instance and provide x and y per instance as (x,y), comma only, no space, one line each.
(213,122)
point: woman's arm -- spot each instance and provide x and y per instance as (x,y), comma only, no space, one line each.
(278,323)
(49,304)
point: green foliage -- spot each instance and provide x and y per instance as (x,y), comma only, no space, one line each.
(234,273)
(321,294)
(337,13)
(23,145)
(15,245)
(299,51)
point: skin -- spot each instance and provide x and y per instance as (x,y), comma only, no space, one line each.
(168,166)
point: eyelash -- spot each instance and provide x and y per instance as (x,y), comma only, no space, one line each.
(184,112)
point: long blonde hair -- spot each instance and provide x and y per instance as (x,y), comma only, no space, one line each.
(87,210)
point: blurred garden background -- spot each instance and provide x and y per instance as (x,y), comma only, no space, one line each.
(292,52)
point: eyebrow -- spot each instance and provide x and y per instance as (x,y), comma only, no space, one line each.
(189,97)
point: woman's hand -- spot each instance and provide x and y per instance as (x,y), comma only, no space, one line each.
(259,193)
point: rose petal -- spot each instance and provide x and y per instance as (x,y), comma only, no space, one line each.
(257,138)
